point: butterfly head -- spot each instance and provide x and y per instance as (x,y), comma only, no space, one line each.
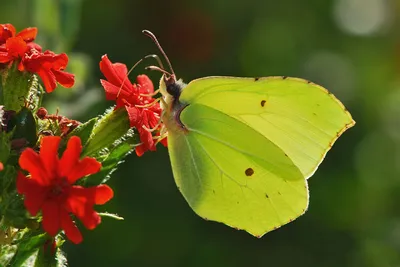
(170,87)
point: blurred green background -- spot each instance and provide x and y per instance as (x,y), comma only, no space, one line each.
(351,47)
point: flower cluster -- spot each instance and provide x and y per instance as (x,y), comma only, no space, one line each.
(54,191)
(21,48)
(143,110)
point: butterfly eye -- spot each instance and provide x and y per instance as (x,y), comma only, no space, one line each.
(174,89)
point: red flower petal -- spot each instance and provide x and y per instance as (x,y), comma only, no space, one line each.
(28,34)
(16,46)
(1,166)
(70,157)
(81,203)
(91,219)
(35,194)
(113,91)
(48,79)
(51,217)
(71,231)
(58,62)
(145,84)
(30,161)
(133,115)
(102,194)
(164,142)
(85,167)
(112,73)
(116,74)
(34,46)
(49,154)
(140,149)
(6,31)
(5,57)
(64,78)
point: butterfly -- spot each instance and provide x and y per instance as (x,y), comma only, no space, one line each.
(242,149)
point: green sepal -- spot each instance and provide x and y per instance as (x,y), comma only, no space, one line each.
(110,128)
(15,86)
(27,246)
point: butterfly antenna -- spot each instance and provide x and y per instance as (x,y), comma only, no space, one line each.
(156,58)
(158,69)
(154,39)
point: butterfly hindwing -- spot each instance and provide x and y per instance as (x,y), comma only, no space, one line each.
(230,173)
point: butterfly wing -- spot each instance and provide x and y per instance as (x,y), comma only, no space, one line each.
(300,117)
(230,173)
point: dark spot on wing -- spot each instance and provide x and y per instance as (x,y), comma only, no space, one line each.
(249,172)
(284,77)
(256,79)
(263,102)
(266,195)
(279,193)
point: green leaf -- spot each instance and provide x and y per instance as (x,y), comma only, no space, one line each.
(29,245)
(110,128)
(84,130)
(6,254)
(111,158)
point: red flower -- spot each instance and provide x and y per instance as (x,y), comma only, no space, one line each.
(50,187)
(1,166)
(49,66)
(8,31)
(14,48)
(133,97)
